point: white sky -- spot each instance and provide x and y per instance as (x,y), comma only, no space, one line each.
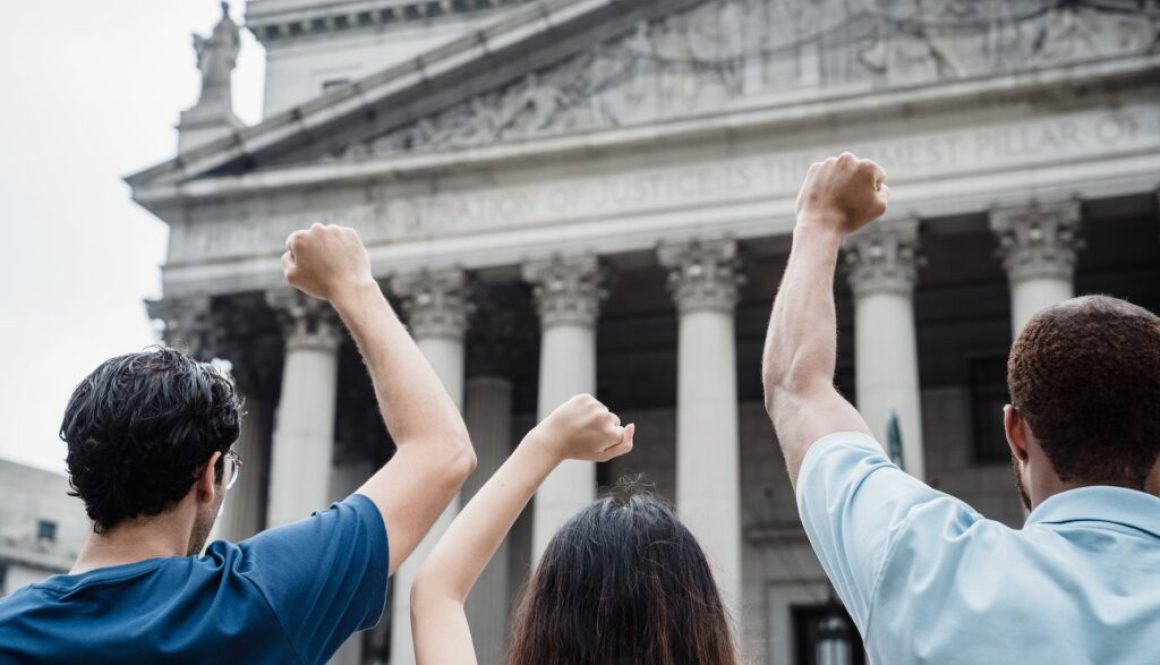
(89,92)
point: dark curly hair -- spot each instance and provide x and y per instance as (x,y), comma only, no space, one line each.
(1085,374)
(623,582)
(140,427)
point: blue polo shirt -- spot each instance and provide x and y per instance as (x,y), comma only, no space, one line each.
(288,595)
(929,580)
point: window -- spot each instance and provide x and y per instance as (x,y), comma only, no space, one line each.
(988,383)
(46,531)
(825,635)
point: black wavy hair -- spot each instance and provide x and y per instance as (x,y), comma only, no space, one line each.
(140,427)
(623,582)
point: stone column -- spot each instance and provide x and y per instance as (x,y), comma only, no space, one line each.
(568,294)
(304,422)
(436,313)
(489,420)
(495,344)
(703,278)
(1038,245)
(882,261)
(243,509)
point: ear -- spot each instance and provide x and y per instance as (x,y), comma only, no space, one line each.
(1016,434)
(207,486)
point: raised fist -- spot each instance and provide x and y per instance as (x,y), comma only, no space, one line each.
(584,429)
(326,261)
(843,193)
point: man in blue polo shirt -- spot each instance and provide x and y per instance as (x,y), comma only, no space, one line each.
(149,438)
(926,578)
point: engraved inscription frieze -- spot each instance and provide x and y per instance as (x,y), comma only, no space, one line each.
(393,216)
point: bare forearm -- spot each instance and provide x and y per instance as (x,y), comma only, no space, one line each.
(801,342)
(801,351)
(471,541)
(413,401)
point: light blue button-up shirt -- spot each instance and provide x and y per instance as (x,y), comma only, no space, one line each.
(929,580)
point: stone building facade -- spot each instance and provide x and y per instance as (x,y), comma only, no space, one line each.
(42,528)
(597,195)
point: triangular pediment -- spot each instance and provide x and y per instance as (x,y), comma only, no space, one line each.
(599,65)
(718,55)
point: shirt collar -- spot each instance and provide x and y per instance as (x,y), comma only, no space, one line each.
(1100,503)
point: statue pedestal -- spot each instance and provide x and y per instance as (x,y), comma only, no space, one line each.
(197,127)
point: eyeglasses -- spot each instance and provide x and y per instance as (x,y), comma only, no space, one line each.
(233,467)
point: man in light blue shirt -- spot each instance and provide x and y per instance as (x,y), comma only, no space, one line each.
(926,578)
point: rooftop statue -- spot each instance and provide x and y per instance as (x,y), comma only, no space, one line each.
(216,57)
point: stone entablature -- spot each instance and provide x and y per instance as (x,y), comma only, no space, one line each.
(932,172)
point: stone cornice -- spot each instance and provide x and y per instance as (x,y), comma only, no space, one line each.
(883,258)
(703,274)
(307,323)
(1039,240)
(568,290)
(435,302)
(276,22)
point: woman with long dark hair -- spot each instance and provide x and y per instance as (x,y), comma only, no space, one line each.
(623,582)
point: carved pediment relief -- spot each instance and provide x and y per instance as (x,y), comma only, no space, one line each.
(721,51)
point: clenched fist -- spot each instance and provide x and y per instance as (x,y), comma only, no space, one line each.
(326,262)
(843,193)
(584,429)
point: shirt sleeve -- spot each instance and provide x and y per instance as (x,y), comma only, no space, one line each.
(856,506)
(325,577)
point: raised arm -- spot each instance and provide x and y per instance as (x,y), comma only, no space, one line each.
(434,454)
(839,196)
(582,428)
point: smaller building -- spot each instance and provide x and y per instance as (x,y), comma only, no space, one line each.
(42,528)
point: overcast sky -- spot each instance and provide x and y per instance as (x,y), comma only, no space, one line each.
(91,93)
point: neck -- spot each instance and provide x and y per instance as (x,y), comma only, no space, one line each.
(163,535)
(1152,483)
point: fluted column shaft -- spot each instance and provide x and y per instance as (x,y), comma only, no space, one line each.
(304,426)
(568,296)
(882,261)
(436,313)
(703,279)
(1038,245)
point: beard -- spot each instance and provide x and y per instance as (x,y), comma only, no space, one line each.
(1023,495)
(202,526)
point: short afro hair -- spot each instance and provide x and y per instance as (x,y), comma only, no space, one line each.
(1085,375)
(139,429)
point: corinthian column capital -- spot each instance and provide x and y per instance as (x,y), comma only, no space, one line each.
(1038,240)
(703,274)
(435,302)
(307,323)
(567,290)
(188,324)
(883,258)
